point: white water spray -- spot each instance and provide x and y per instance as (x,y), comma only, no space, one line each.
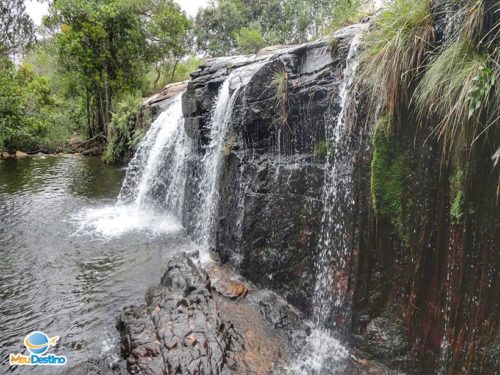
(208,189)
(152,193)
(322,350)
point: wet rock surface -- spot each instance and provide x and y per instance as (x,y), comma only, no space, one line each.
(179,329)
(272,178)
(187,327)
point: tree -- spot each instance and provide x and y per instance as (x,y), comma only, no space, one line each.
(226,27)
(26,106)
(17,30)
(250,39)
(168,36)
(108,44)
(217,25)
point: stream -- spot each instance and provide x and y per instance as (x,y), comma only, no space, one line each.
(71,259)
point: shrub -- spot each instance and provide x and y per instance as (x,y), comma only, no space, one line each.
(280,85)
(125,131)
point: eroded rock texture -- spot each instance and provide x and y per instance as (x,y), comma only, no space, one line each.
(187,327)
(179,330)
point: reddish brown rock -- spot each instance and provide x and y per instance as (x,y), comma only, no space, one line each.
(21,155)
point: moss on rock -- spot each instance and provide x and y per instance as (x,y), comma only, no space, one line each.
(388,174)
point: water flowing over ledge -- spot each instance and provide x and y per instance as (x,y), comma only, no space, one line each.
(266,162)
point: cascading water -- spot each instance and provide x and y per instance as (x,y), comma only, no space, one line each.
(323,353)
(213,159)
(152,193)
(208,194)
(157,173)
(330,288)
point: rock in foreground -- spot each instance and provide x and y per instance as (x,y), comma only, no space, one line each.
(187,327)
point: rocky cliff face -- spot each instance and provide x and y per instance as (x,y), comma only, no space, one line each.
(422,301)
(271,185)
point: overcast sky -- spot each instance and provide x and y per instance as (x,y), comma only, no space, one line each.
(37,10)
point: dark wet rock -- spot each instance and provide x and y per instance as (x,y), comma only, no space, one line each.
(179,330)
(189,327)
(284,317)
(386,340)
(270,206)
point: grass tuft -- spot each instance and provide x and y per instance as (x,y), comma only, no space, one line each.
(459,89)
(280,85)
(396,51)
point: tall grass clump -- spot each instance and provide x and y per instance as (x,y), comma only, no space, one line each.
(396,52)
(280,86)
(481,24)
(459,90)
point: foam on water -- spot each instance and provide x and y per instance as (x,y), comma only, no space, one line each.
(321,351)
(116,220)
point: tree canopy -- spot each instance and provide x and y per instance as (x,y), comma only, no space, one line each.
(17,30)
(241,26)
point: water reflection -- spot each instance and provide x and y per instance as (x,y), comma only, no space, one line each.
(67,284)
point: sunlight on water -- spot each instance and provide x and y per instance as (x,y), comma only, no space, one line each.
(114,221)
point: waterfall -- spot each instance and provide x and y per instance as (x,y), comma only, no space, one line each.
(208,188)
(334,247)
(156,176)
(152,192)
(322,350)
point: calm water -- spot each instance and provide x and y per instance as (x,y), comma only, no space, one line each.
(70,259)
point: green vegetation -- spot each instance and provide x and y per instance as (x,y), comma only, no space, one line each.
(457,189)
(459,87)
(243,26)
(78,80)
(346,13)
(388,176)
(396,51)
(29,116)
(250,39)
(170,72)
(125,130)
(280,88)
(321,149)
(422,90)
(460,83)
(17,30)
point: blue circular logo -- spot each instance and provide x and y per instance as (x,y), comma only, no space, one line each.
(37,342)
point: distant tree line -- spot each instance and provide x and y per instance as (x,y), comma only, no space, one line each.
(95,59)
(227,27)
